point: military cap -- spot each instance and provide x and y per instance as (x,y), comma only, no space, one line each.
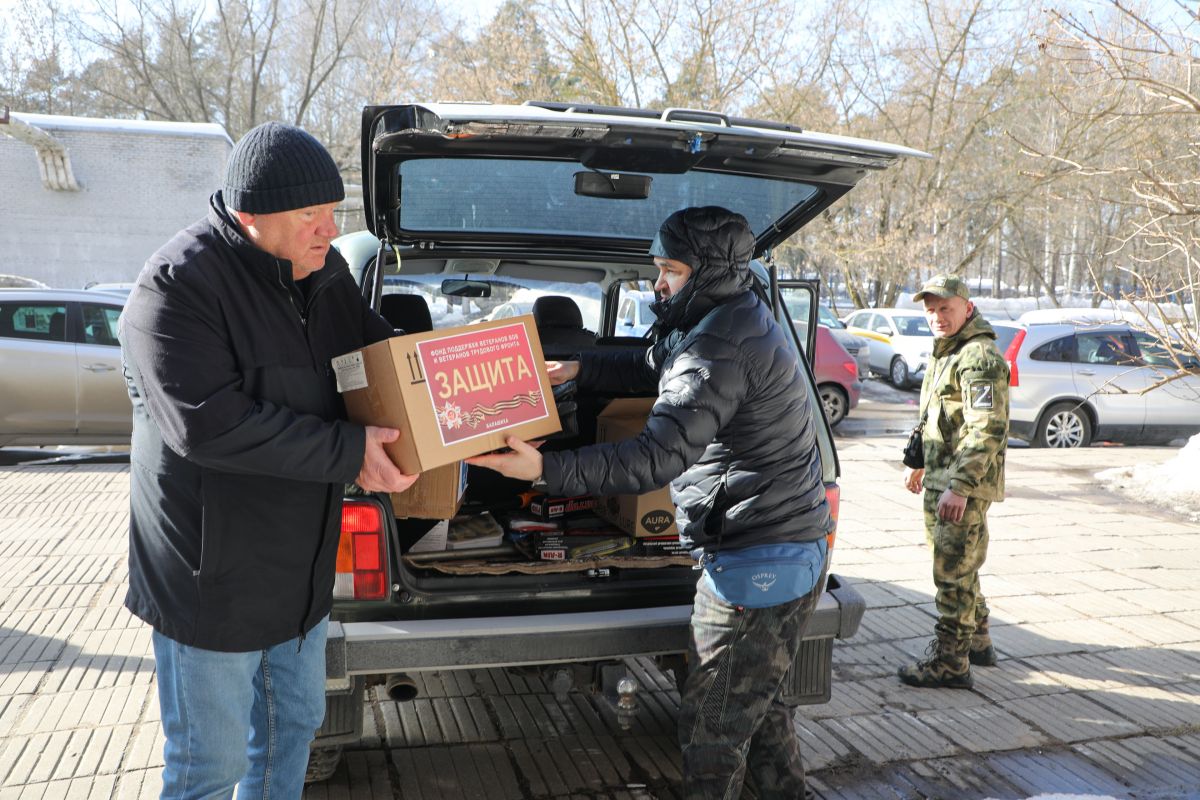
(943,286)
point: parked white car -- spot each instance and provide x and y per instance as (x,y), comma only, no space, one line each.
(634,316)
(1073,384)
(901,342)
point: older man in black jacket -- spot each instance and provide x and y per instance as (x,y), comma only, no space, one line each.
(732,432)
(240,454)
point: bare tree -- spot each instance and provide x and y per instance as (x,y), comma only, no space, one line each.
(942,80)
(246,34)
(1149,98)
(34,69)
(508,61)
(657,53)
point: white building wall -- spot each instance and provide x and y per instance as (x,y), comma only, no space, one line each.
(140,183)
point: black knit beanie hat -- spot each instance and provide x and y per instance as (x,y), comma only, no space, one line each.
(277,167)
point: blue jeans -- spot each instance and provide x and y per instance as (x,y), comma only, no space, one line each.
(240,719)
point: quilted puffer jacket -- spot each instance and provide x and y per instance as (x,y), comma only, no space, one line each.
(732,430)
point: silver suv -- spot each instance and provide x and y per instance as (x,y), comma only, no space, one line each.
(61,380)
(1072,384)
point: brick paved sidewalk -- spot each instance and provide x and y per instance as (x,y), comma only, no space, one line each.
(1096,616)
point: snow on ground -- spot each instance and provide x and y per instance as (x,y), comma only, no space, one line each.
(1174,483)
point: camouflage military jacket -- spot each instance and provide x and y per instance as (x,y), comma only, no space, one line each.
(965,401)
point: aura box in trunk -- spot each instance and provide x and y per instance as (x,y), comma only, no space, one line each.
(649,514)
(452,393)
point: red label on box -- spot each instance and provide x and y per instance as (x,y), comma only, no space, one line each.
(481,382)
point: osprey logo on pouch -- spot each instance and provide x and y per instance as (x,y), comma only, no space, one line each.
(982,395)
(764,580)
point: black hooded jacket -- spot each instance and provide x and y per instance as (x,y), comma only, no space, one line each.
(732,430)
(240,445)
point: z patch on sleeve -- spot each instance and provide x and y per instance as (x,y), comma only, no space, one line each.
(982,395)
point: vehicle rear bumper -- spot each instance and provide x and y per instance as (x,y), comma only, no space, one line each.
(366,648)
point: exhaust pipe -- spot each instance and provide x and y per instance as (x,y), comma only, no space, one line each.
(400,687)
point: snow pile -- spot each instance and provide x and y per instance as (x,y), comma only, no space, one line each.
(1174,483)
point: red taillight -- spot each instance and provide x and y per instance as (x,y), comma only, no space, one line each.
(1010,355)
(852,368)
(361,565)
(833,495)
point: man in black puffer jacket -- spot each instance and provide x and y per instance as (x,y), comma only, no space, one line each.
(732,432)
(241,452)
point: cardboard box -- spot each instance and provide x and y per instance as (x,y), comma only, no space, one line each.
(437,494)
(452,393)
(649,514)
(661,546)
(558,547)
(546,507)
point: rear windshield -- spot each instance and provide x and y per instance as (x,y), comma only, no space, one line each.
(479,195)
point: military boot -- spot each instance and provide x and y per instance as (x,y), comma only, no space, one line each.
(944,667)
(982,654)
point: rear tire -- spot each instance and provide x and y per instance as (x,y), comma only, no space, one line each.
(834,402)
(899,373)
(1064,425)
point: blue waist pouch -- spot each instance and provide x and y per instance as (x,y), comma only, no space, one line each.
(765,575)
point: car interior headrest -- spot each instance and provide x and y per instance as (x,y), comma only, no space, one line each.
(58,326)
(408,312)
(556,311)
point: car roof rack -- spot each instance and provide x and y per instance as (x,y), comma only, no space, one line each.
(693,115)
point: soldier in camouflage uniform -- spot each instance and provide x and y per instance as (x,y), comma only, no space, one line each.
(964,405)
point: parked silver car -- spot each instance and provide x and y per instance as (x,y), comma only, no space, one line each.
(60,368)
(1072,384)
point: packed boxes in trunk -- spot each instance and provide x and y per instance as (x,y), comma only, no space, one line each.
(573,546)
(437,494)
(452,393)
(649,514)
(547,507)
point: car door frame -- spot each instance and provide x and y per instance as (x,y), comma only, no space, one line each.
(102,399)
(55,419)
(1115,392)
(810,342)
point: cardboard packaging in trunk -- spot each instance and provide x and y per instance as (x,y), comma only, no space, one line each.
(649,514)
(661,546)
(547,507)
(437,494)
(558,547)
(452,393)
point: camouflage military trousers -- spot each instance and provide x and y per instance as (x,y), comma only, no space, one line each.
(959,549)
(731,720)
